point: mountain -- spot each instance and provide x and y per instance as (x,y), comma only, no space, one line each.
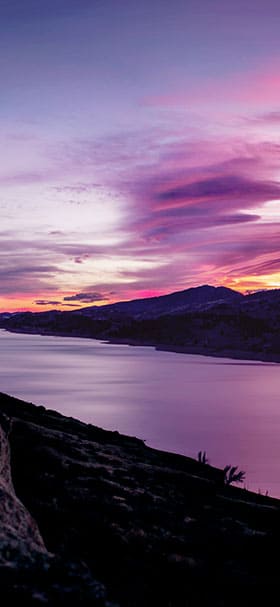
(6,315)
(196,298)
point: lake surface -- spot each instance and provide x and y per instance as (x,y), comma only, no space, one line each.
(176,402)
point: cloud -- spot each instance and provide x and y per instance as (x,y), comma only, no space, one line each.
(20,277)
(267,267)
(234,189)
(22,178)
(267,118)
(44,302)
(86,297)
(82,258)
(77,188)
(176,204)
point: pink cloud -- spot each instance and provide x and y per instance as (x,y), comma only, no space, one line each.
(174,201)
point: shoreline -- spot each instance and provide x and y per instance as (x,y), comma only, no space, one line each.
(241,355)
(196,351)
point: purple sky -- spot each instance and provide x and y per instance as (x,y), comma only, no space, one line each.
(139,148)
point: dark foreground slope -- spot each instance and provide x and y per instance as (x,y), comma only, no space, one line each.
(114,516)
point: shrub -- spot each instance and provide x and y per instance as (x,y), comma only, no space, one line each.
(233,475)
(202,457)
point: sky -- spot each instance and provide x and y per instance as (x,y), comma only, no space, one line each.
(140,149)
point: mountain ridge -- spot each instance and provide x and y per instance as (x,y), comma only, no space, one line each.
(175,302)
(213,321)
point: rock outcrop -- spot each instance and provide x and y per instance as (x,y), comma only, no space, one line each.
(153,528)
(20,539)
(29,574)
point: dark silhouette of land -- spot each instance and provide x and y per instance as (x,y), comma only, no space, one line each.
(204,320)
(104,520)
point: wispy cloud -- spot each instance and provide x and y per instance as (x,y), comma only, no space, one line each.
(44,302)
(86,297)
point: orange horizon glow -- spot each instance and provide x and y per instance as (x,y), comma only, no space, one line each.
(244,285)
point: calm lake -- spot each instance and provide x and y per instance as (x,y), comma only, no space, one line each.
(176,402)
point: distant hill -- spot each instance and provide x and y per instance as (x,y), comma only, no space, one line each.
(196,298)
(203,320)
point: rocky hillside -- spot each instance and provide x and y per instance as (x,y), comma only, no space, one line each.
(180,302)
(97,518)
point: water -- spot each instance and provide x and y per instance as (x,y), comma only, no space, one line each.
(176,402)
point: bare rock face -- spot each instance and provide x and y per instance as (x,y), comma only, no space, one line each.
(20,539)
(29,574)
